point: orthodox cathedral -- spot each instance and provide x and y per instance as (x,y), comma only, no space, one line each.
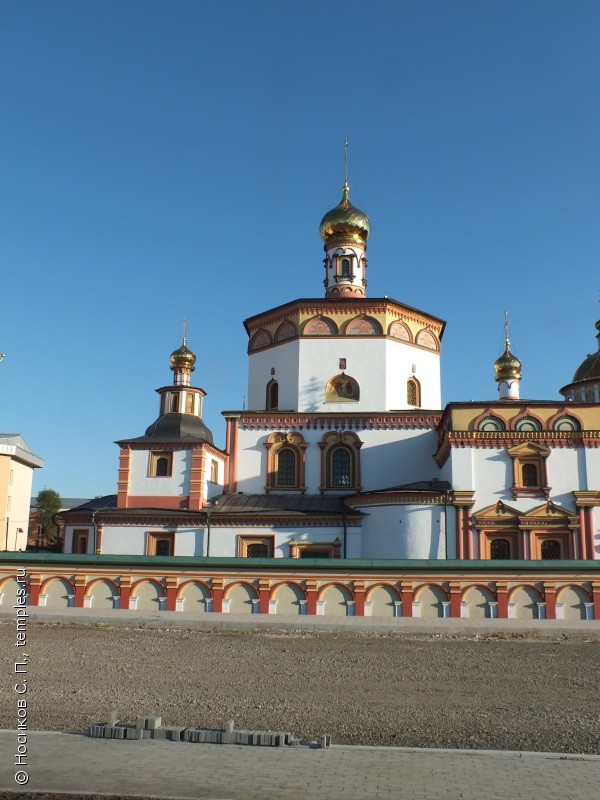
(345,451)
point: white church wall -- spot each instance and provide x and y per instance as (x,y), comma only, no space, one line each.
(283,358)
(174,485)
(565,471)
(387,458)
(303,367)
(404,361)
(224,541)
(406,531)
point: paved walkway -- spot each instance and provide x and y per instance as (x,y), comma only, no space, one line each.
(410,626)
(62,762)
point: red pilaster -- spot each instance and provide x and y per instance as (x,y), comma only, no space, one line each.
(502,596)
(217,595)
(171,594)
(311,597)
(35,582)
(80,581)
(596,598)
(124,593)
(468,533)
(460,539)
(264,595)
(197,469)
(582,536)
(407,600)
(455,600)
(359,599)
(550,596)
(123,479)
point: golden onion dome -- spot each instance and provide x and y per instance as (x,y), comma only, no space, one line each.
(507,366)
(182,358)
(345,221)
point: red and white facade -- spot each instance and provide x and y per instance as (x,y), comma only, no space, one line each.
(345,453)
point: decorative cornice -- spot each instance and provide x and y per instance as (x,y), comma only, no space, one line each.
(393,498)
(267,420)
(496,439)
(587,499)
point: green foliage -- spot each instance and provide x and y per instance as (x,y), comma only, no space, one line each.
(49,504)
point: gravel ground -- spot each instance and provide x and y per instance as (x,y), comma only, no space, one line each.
(498,692)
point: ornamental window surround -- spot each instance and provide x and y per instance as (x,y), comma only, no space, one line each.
(285,462)
(413,392)
(529,470)
(340,461)
(256,546)
(160,543)
(161,465)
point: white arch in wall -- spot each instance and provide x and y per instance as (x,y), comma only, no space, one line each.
(431,599)
(148,596)
(478,600)
(240,597)
(335,601)
(525,601)
(195,598)
(382,600)
(289,599)
(572,600)
(101,594)
(58,592)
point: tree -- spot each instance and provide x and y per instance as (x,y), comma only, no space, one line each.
(48,505)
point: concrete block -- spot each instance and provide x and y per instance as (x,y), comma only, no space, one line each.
(229,726)
(325,740)
(153,723)
(113,718)
(108,732)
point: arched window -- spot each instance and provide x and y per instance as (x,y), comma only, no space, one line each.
(340,467)
(413,392)
(285,461)
(551,550)
(189,404)
(500,549)
(345,267)
(272,395)
(528,424)
(162,467)
(174,403)
(286,468)
(258,550)
(340,461)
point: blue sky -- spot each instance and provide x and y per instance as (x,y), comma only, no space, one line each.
(164,160)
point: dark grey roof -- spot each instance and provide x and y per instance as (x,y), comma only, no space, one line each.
(97,504)
(174,427)
(66,503)
(274,504)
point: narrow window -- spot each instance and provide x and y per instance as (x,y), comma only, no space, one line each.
(500,549)
(341,467)
(286,467)
(160,464)
(272,395)
(174,403)
(189,404)
(551,550)
(413,393)
(214,471)
(530,475)
(82,545)
(345,267)
(163,547)
(162,467)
